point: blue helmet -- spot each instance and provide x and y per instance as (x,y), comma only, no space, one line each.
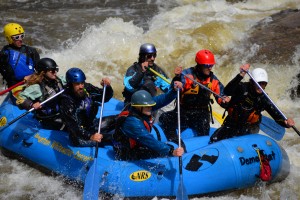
(147,48)
(75,75)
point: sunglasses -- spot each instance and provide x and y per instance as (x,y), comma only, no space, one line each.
(207,65)
(18,37)
(150,55)
(53,70)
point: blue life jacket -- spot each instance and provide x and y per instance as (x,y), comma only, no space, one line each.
(19,63)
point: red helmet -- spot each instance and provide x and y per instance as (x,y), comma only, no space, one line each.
(204,56)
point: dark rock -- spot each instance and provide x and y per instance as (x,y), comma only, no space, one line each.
(277,36)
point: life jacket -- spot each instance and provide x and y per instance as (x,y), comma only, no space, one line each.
(120,137)
(194,96)
(86,108)
(51,108)
(244,109)
(21,63)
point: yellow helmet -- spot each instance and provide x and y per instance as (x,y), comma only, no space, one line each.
(12,29)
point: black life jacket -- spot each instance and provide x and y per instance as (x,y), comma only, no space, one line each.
(245,109)
(49,89)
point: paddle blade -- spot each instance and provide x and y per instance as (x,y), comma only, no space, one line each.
(91,184)
(271,128)
(181,192)
(218,117)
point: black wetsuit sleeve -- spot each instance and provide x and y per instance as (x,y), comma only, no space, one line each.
(232,87)
(274,113)
(137,75)
(97,93)
(6,70)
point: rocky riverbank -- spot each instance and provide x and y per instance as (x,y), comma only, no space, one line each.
(278,38)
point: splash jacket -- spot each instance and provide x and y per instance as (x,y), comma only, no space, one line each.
(195,106)
(135,80)
(49,114)
(16,63)
(244,110)
(132,138)
(79,114)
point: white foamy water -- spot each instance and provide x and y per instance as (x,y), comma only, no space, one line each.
(103,39)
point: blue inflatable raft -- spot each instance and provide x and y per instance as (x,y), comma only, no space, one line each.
(207,168)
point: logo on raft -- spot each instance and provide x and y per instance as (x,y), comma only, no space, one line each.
(254,159)
(205,159)
(139,176)
(3,121)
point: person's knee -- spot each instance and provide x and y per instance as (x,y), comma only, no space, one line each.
(218,135)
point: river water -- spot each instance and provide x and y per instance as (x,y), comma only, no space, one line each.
(103,37)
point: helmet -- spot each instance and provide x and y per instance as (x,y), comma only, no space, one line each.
(142,98)
(45,64)
(12,29)
(147,48)
(75,75)
(204,56)
(260,75)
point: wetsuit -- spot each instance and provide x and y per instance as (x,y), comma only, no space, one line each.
(244,110)
(135,80)
(79,114)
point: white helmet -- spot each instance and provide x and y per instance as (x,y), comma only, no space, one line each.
(260,75)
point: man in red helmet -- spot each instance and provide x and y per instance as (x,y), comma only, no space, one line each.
(195,102)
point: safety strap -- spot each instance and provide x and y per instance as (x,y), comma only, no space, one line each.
(265,168)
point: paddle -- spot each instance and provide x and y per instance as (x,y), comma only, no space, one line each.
(218,117)
(270,127)
(203,86)
(181,192)
(158,74)
(27,112)
(266,95)
(11,87)
(92,180)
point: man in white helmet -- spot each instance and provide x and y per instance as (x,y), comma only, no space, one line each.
(246,104)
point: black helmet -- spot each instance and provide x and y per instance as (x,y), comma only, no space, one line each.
(75,75)
(45,64)
(142,98)
(147,48)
